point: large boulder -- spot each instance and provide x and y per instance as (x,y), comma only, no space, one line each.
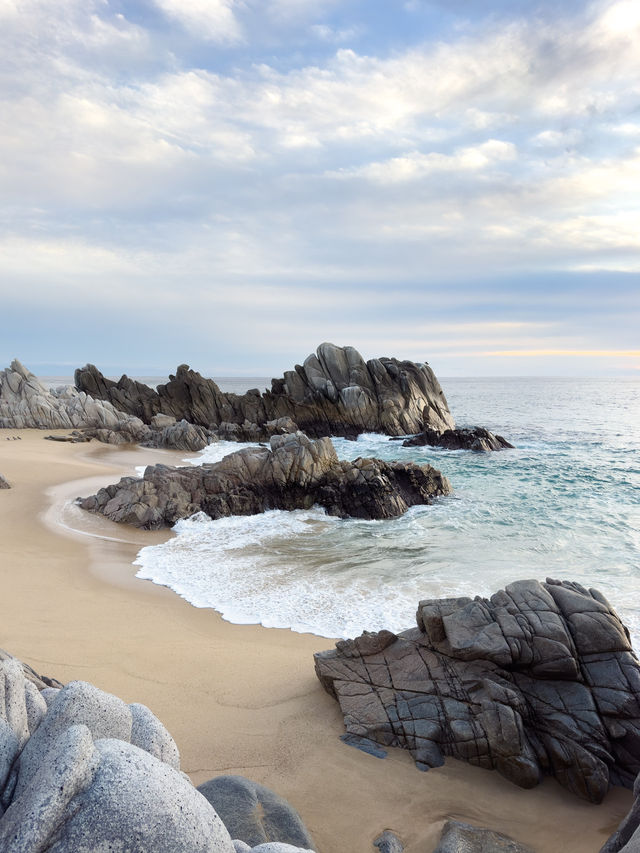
(540,679)
(82,771)
(293,473)
(254,814)
(335,392)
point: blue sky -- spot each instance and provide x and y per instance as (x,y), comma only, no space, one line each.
(230,182)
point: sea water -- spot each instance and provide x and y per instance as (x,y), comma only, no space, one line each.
(564,504)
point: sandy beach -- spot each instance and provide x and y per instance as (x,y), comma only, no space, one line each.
(237,699)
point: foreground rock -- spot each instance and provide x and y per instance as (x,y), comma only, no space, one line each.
(293,473)
(254,813)
(4,484)
(477,438)
(538,680)
(335,392)
(626,839)
(81,771)
(458,837)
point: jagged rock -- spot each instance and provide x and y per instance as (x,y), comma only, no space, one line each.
(458,837)
(538,680)
(335,392)
(252,432)
(179,436)
(3,483)
(254,814)
(26,403)
(293,473)
(388,842)
(477,438)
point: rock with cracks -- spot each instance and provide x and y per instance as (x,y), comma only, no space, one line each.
(334,392)
(293,473)
(538,680)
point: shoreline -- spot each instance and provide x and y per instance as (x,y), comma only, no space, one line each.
(237,698)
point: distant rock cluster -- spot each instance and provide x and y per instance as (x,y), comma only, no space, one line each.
(294,472)
(540,679)
(335,392)
(81,770)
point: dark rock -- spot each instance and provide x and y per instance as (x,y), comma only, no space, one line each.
(388,842)
(179,436)
(458,837)
(3,483)
(335,392)
(477,438)
(538,680)
(254,814)
(294,473)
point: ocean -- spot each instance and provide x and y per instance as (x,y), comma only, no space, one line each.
(564,504)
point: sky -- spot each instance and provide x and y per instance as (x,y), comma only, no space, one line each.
(228,183)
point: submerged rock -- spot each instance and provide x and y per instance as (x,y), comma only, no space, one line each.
(334,392)
(293,473)
(476,438)
(540,679)
(458,837)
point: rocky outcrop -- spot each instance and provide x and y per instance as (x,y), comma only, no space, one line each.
(293,473)
(4,484)
(255,814)
(26,403)
(388,842)
(334,392)
(458,837)
(476,438)
(540,679)
(80,771)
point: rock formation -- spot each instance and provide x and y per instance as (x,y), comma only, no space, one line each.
(626,839)
(538,680)
(293,473)
(477,438)
(80,770)
(3,483)
(335,392)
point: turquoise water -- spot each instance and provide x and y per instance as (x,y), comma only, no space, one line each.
(565,503)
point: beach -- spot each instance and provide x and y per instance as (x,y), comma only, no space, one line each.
(237,699)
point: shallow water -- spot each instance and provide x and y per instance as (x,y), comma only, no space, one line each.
(565,504)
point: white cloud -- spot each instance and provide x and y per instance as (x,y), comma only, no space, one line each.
(211,20)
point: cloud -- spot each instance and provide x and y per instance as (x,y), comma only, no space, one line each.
(210,20)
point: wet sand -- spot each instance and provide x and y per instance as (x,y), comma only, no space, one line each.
(237,699)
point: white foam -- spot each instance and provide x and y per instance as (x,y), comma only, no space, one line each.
(216,451)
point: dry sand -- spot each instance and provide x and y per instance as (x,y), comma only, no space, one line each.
(237,699)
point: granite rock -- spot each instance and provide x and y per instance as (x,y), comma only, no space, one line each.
(293,473)
(458,837)
(388,842)
(476,438)
(334,392)
(540,679)
(254,814)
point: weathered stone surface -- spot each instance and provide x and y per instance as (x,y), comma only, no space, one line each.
(40,681)
(335,392)
(538,680)
(3,483)
(458,837)
(294,473)
(254,814)
(253,432)
(477,438)
(26,403)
